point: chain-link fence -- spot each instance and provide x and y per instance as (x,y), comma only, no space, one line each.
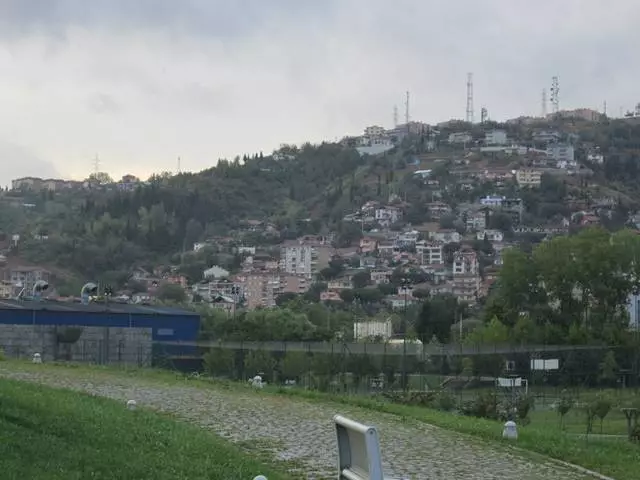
(96,352)
(546,374)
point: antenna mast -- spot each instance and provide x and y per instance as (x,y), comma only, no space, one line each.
(406,110)
(96,164)
(555,99)
(484,115)
(395,115)
(544,103)
(179,169)
(470,97)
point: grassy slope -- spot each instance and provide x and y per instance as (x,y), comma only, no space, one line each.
(49,434)
(615,458)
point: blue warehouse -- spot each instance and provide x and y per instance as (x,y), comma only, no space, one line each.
(96,332)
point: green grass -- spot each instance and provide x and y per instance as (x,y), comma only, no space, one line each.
(51,434)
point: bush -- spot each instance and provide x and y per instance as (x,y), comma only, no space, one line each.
(484,405)
(445,401)
(2,355)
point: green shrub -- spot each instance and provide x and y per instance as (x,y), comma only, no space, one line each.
(446,401)
(2,355)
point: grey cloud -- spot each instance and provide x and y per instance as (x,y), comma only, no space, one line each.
(216,18)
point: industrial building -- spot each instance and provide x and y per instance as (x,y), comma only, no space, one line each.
(94,332)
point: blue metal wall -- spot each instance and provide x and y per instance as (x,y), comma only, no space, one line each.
(164,327)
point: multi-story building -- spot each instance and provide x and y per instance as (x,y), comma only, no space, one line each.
(294,283)
(496,137)
(261,290)
(26,277)
(490,234)
(445,235)
(430,252)
(298,257)
(465,262)
(387,216)
(476,220)
(561,152)
(529,177)
(492,201)
(466,287)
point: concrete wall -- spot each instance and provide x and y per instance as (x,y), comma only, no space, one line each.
(102,345)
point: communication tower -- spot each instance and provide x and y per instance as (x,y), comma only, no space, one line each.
(543,109)
(555,95)
(470,97)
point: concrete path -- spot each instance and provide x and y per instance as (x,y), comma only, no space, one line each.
(294,429)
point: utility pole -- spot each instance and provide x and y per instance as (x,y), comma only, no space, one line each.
(406,287)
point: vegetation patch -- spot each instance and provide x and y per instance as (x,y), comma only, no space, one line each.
(51,434)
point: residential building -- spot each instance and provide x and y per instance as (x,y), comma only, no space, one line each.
(546,136)
(445,236)
(407,239)
(364,330)
(438,209)
(490,234)
(261,290)
(387,216)
(460,137)
(529,177)
(496,137)
(294,283)
(430,252)
(299,257)
(466,287)
(215,272)
(465,262)
(398,302)
(379,277)
(476,220)
(374,131)
(492,201)
(26,277)
(633,308)
(561,152)
(368,245)
(7,289)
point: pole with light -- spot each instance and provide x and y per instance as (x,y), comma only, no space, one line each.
(405,283)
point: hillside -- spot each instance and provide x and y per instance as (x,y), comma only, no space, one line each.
(103,233)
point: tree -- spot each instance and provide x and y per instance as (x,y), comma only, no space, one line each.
(172,293)
(361,279)
(608,369)
(436,316)
(564,405)
(101,178)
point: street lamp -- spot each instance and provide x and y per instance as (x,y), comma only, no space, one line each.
(405,283)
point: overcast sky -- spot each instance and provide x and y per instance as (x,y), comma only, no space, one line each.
(141,82)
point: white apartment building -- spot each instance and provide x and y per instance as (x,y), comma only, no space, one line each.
(465,263)
(387,216)
(298,259)
(492,201)
(561,152)
(529,177)
(374,131)
(490,234)
(496,137)
(431,252)
(476,220)
(445,236)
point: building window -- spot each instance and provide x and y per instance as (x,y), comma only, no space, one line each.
(165,332)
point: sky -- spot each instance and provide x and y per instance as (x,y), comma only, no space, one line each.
(139,83)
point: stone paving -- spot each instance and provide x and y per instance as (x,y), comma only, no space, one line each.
(294,429)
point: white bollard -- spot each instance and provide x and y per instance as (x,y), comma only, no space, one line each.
(37,358)
(510,431)
(131,404)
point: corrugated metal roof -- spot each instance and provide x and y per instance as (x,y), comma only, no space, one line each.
(118,308)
